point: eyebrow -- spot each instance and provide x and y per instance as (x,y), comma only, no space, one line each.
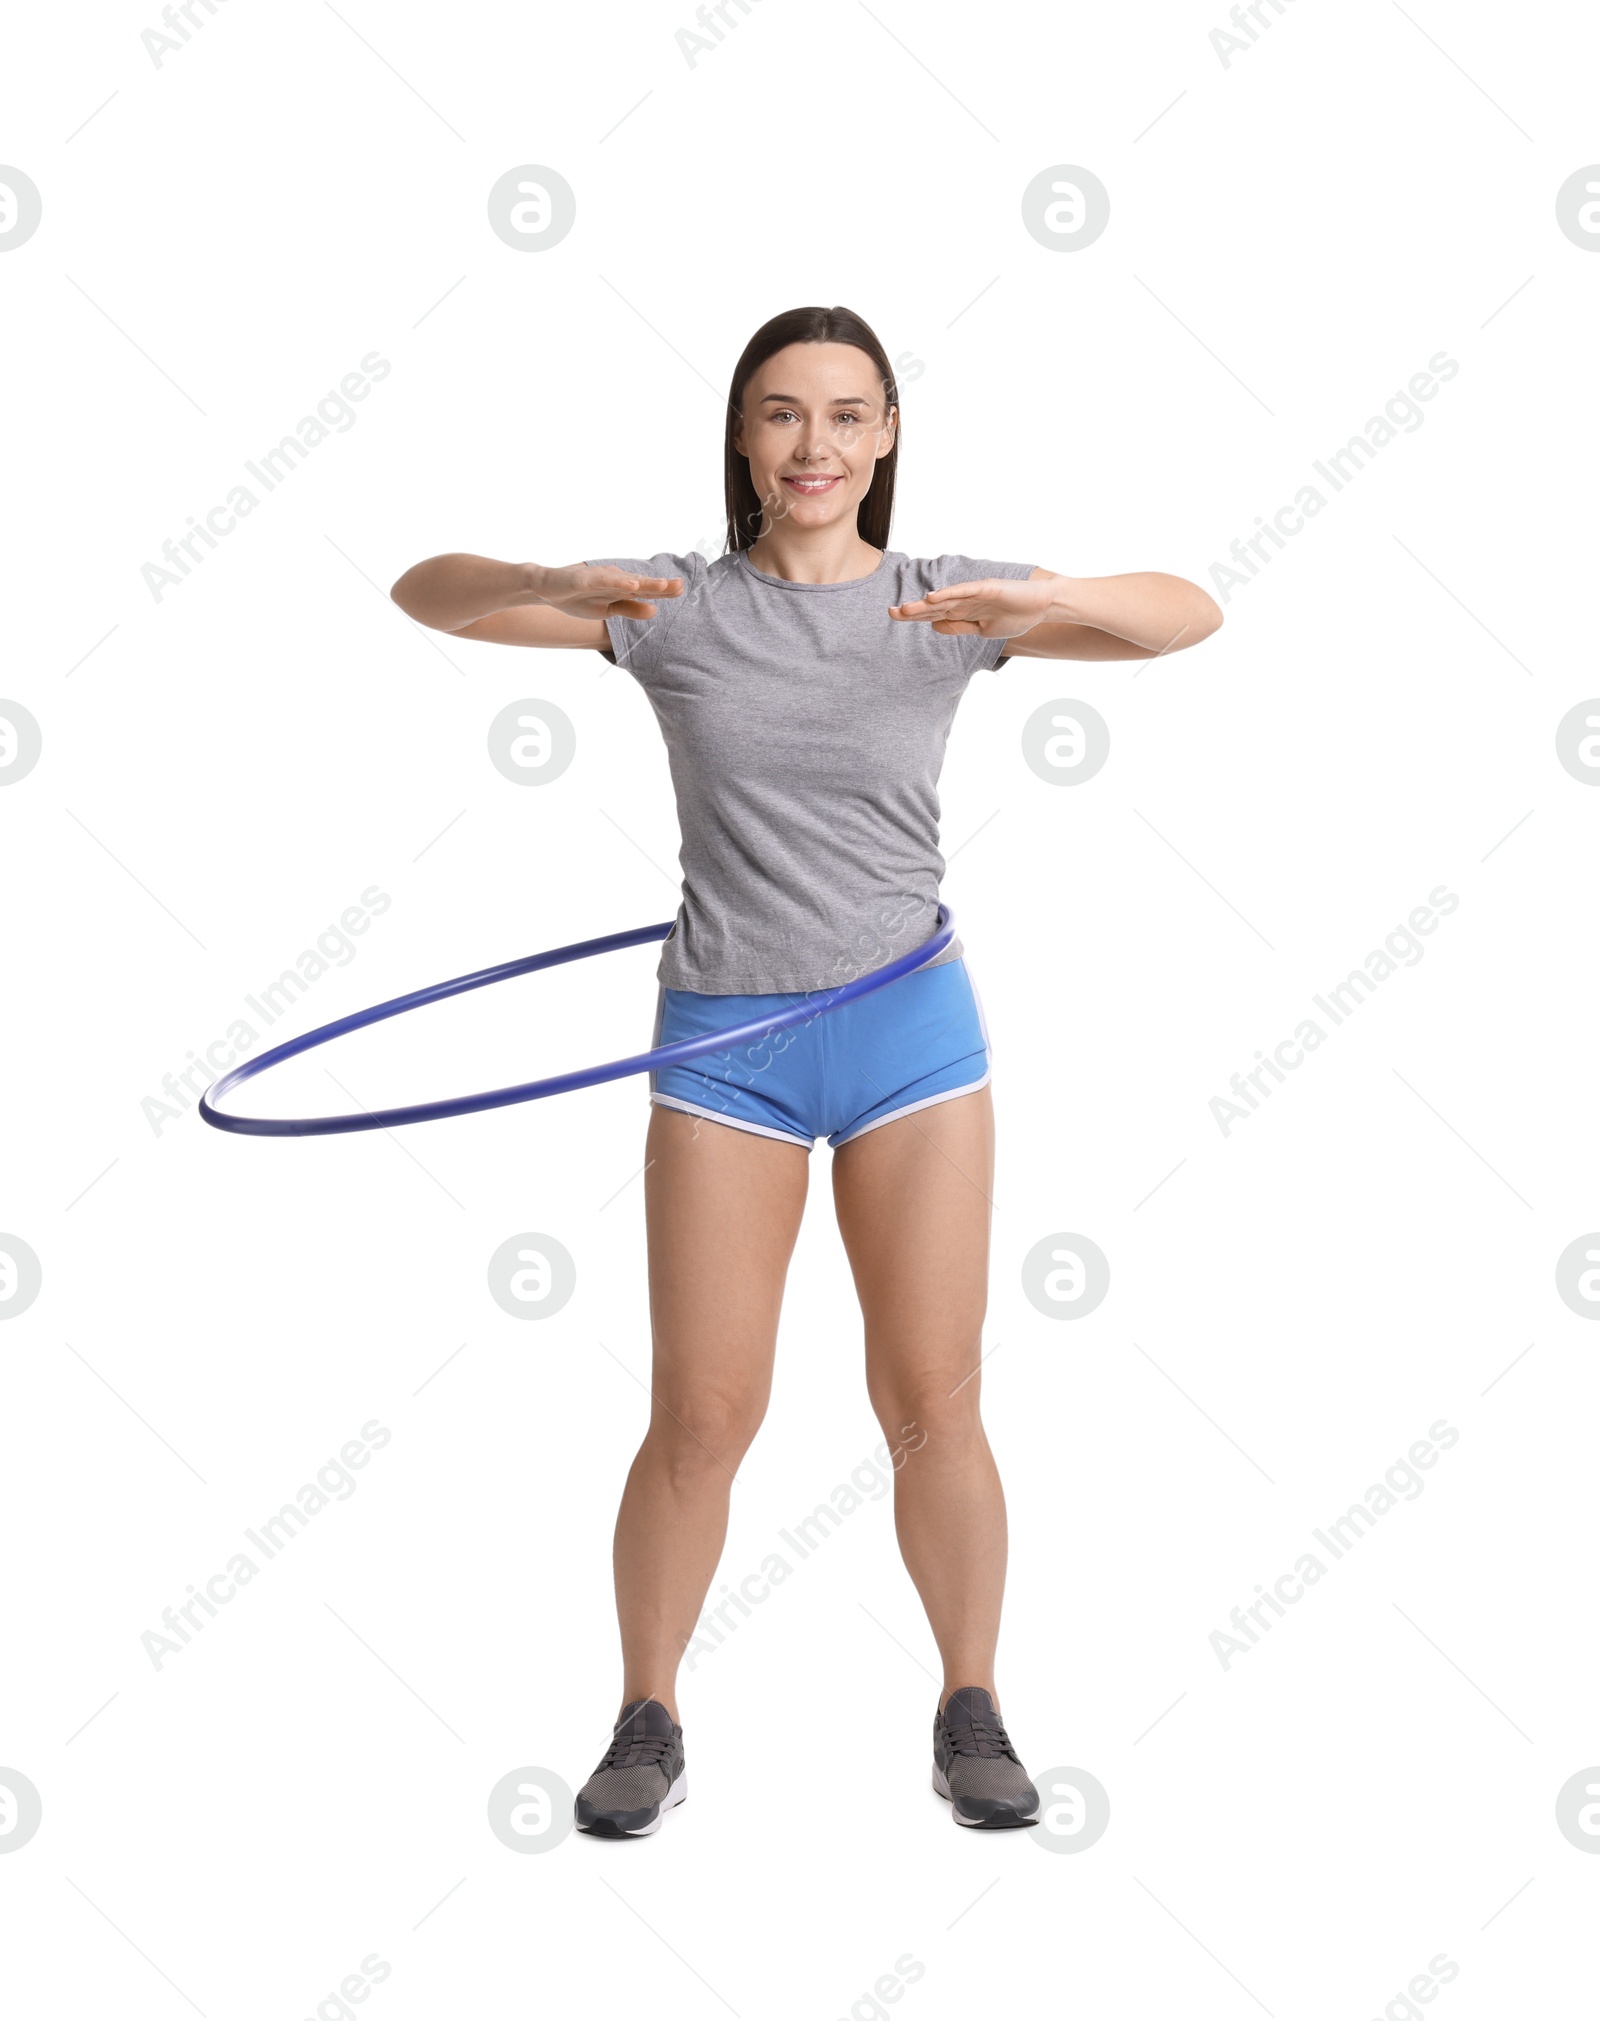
(842,400)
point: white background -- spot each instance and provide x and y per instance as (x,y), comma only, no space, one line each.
(1293,235)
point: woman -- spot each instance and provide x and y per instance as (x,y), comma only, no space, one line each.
(805,684)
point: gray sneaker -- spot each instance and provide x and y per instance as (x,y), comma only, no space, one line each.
(640,1776)
(976,1767)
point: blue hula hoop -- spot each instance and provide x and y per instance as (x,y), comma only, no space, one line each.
(811,1005)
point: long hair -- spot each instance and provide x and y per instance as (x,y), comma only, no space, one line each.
(806,326)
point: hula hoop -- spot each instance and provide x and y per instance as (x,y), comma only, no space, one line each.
(809,1006)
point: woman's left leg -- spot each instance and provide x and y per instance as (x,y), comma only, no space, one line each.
(914,1201)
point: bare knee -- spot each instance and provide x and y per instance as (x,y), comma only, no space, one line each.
(933,1415)
(706,1431)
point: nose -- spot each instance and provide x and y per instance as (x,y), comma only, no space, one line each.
(819,445)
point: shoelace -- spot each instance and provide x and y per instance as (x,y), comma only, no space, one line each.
(629,1749)
(984,1736)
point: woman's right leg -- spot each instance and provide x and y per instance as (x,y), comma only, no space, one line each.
(722,1211)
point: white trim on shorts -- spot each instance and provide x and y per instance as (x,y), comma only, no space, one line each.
(733,1122)
(910,1108)
(655,1033)
(983,1022)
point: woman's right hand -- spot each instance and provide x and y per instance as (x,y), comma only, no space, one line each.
(474,596)
(594,590)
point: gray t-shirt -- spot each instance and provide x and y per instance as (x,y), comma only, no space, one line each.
(805,731)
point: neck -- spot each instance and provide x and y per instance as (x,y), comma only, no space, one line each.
(819,554)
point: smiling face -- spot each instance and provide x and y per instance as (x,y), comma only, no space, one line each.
(813,428)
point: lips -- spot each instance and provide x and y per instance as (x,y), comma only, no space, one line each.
(812,487)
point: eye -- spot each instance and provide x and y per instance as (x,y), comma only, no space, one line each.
(788,414)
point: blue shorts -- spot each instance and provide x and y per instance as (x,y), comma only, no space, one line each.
(920,1039)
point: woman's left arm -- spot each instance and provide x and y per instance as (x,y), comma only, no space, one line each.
(1060,617)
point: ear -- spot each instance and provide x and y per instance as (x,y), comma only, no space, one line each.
(892,427)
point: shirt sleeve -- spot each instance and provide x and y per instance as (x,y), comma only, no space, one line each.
(636,643)
(984,654)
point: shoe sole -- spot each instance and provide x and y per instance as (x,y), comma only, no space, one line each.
(604,1828)
(1002,1820)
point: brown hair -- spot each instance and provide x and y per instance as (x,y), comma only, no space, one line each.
(806,326)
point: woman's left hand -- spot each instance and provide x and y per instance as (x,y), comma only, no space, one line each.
(1107,617)
(999,609)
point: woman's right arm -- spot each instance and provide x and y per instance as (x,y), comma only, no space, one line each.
(522,603)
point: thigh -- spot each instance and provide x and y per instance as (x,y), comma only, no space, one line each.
(722,1211)
(914,1202)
